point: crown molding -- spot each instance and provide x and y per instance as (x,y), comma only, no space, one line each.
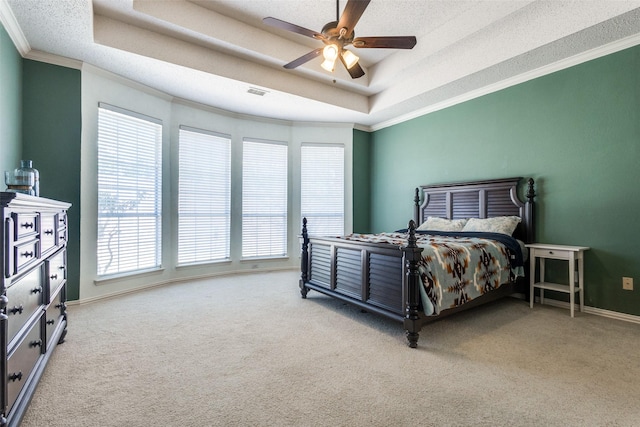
(10,23)
(580,58)
(38,55)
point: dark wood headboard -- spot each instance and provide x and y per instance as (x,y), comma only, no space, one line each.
(479,199)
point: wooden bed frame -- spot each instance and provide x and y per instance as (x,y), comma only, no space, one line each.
(384,279)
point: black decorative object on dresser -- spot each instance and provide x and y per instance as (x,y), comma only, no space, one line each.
(33,316)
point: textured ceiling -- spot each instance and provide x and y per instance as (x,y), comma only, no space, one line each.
(213,51)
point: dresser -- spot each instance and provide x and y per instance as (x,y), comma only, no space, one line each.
(32,302)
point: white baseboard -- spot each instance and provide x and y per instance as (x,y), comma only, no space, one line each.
(593,310)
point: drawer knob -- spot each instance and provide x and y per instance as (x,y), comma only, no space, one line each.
(27,225)
(15,376)
(36,290)
(48,231)
(53,276)
(15,310)
(37,343)
(27,254)
(50,322)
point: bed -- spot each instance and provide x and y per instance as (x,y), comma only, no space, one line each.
(398,274)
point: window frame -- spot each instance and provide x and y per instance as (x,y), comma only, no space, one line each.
(249,198)
(317,197)
(129,163)
(225,187)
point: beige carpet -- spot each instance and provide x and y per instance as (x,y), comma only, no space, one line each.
(246,350)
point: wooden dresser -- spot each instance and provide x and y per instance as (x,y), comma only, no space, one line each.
(33,294)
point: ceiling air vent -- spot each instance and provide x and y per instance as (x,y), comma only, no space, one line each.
(256,91)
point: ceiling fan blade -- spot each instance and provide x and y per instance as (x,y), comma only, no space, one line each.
(275,22)
(355,72)
(393,42)
(304,58)
(351,15)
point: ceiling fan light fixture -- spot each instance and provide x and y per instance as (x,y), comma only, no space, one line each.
(350,58)
(338,34)
(328,65)
(330,52)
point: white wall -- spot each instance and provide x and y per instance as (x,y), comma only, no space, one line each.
(99,86)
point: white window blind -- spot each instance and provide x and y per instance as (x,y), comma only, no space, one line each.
(322,188)
(204,199)
(264,199)
(129,191)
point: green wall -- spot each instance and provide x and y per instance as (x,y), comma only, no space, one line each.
(51,130)
(576,132)
(361,182)
(10,104)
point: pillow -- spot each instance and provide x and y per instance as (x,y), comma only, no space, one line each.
(442,224)
(499,224)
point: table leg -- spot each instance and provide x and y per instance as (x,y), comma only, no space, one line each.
(532,279)
(541,280)
(572,282)
(581,282)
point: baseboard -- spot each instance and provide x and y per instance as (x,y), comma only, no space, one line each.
(593,310)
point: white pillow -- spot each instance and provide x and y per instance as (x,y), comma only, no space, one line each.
(499,224)
(442,224)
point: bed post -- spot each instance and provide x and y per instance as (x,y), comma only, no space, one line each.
(412,254)
(416,206)
(529,212)
(304,260)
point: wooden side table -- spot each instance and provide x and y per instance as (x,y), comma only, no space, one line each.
(575,257)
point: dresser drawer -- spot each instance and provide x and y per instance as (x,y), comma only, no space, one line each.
(24,299)
(61,220)
(55,272)
(53,318)
(24,255)
(21,362)
(25,224)
(48,231)
(61,237)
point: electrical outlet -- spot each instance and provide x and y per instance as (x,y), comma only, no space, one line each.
(627,283)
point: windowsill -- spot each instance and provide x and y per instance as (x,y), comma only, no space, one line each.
(268,259)
(203,264)
(113,278)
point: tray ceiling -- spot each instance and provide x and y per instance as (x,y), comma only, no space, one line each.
(219,53)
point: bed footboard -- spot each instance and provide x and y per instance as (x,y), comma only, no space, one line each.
(378,278)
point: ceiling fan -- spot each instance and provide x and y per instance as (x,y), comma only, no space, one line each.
(337,35)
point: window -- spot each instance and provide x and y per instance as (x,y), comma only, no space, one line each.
(264,199)
(204,199)
(322,188)
(129,191)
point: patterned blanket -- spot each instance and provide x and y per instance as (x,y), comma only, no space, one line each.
(457,267)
